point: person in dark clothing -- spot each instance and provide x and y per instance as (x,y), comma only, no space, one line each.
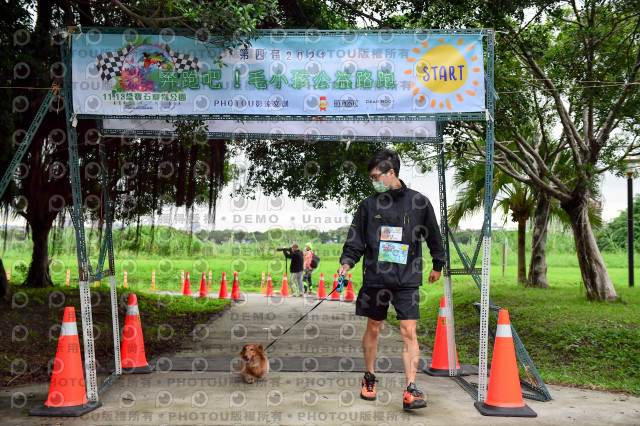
(387,232)
(296,268)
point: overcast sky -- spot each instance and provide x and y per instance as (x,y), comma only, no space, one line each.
(283,212)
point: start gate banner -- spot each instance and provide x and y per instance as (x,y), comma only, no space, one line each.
(285,73)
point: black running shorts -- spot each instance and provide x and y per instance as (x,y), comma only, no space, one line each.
(374,302)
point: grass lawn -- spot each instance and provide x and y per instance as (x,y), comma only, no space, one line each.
(570,339)
(31,325)
(563,269)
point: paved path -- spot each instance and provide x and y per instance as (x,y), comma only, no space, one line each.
(300,390)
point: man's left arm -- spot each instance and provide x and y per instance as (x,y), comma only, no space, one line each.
(434,242)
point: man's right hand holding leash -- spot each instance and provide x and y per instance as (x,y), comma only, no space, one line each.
(343,270)
(342,277)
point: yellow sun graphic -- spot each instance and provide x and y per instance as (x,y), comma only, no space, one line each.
(448,71)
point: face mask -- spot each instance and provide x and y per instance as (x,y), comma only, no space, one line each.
(379,186)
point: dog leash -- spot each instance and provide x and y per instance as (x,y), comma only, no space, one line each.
(339,287)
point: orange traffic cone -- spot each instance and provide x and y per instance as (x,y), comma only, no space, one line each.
(440,362)
(186,291)
(269,291)
(224,292)
(235,289)
(349,296)
(262,283)
(210,282)
(67,393)
(203,286)
(322,293)
(335,295)
(285,286)
(504,395)
(132,352)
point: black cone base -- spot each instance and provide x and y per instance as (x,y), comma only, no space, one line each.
(75,411)
(490,410)
(137,370)
(439,372)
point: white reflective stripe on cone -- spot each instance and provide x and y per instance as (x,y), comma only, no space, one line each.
(69,329)
(442,312)
(504,330)
(133,310)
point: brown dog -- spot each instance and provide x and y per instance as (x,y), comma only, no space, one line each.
(255,364)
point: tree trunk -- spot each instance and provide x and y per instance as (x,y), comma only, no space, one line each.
(522,267)
(4,284)
(594,272)
(39,275)
(538,263)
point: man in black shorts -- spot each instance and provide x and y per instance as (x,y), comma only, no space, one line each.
(387,230)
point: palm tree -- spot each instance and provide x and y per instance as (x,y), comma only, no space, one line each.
(512,197)
(521,203)
(516,199)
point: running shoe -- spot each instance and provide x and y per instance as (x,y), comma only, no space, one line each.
(413,398)
(368,387)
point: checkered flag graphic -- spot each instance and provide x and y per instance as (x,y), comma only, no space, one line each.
(110,63)
(183,61)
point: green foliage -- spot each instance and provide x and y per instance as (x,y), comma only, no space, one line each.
(234,23)
(193,172)
(251,259)
(511,197)
(566,112)
(191,131)
(178,243)
(15,21)
(167,241)
(317,171)
(614,235)
(21,268)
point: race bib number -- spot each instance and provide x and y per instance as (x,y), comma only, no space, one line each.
(393,252)
(390,233)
